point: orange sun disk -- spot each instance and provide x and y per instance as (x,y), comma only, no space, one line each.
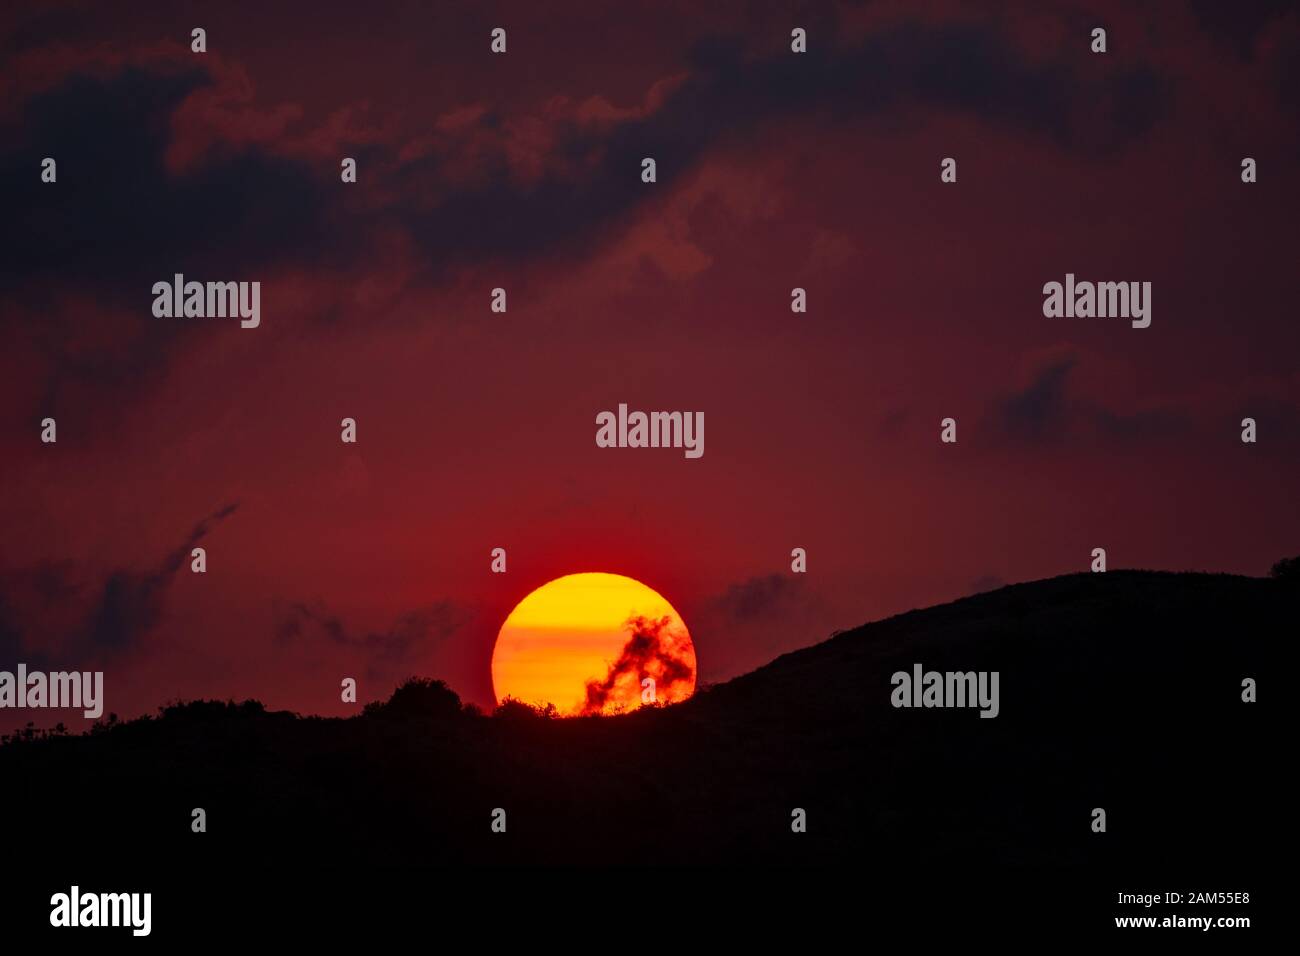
(587,644)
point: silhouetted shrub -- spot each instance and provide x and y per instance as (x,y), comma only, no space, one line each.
(512,709)
(418,697)
(211,709)
(1288,569)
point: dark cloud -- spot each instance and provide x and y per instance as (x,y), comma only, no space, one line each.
(200,531)
(46,610)
(648,653)
(34,605)
(385,652)
(130,603)
(11,635)
(759,597)
(1044,413)
(757,619)
(1039,411)
(969,69)
(118,220)
(1236,26)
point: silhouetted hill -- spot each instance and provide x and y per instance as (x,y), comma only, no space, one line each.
(1120,691)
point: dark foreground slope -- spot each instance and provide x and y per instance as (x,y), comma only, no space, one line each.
(1120,691)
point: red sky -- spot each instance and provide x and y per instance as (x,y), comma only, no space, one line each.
(476,430)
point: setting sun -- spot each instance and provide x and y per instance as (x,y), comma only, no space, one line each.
(587,644)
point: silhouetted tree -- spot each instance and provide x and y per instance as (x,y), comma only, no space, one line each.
(418,697)
(1288,569)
